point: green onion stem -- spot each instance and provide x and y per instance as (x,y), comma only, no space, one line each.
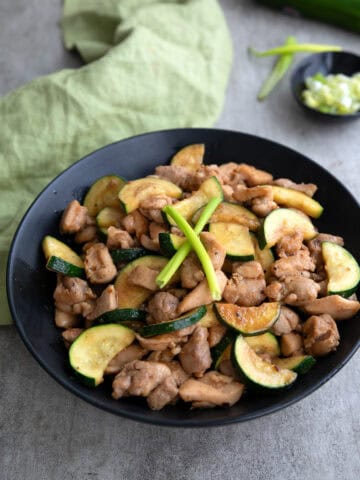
(199,249)
(281,67)
(174,263)
(297,48)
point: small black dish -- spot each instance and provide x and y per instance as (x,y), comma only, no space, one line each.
(326,63)
(30,286)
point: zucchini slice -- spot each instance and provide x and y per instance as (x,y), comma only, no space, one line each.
(342,269)
(256,371)
(265,257)
(248,320)
(120,315)
(222,351)
(232,213)
(179,323)
(61,258)
(109,217)
(134,192)
(189,157)
(284,221)
(265,343)
(103,193)
(294,199)
(235,239)
(127,254)
(91,352)
(132,296)
(209,319)
(299,363)
(170,243)
(209,189)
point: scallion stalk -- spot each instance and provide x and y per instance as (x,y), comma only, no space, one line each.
(199,249)
(174,263)
(281,67)
(297,48)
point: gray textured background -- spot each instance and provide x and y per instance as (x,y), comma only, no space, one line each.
(46,433)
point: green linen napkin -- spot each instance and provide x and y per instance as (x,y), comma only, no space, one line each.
(154,65)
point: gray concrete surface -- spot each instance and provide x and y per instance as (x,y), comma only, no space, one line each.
(46,433)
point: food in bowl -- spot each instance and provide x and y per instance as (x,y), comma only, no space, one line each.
(282,285)
(335,94)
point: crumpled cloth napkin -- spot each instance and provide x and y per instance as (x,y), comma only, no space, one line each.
(151,65)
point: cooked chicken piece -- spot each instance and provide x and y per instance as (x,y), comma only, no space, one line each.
(321,335)
(291,344)
(163,307)
(163,394)
(88,245)
(287,322)
(228,192)
(262,206)
(149,244)
(164,356)
(87,234)
(338,307)
(181,176)
(178,292)
(201,294)
(299,264)
(118,238)
(177,372)
(70,335)
(139,378)
(230,176)
(253,176)
(99,267)
(244,194)
(155,202)
(213,389)
(307,188)
(195,357)
(247,284)
(191,272)
(216,251)
(226,367)
(154,230)
(73,295)
(66,319)
(145,277)
(129,354)
(74,218)
(315,247)
(105,303)
(216,333)
(289,245)
(167,340)
(295,290)
(136,223)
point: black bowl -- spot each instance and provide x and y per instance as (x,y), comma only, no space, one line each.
(30,286)
(325,63)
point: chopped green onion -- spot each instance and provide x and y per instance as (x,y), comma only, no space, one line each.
(297,48)
(174,263)
(277,73)
(199,249)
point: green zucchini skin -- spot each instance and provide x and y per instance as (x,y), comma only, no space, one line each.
(59,265)
(170,243)
(218,350)
(184,321)
(300,364)
(120,315)
(128,254)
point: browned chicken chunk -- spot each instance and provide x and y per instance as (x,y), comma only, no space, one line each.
(315,247)
(163,307)
(321,335)
(216,333)
(73,295)
(70,335)
(129,354)
(166,340)
(287,322)
(163,394)
(136,223)
(87,234)
(338,307)
(213,389)
(66,319)
(247,284)
(254,176)
(74,218)
(195,357)
(262,206)
(139,378)
(118,238)
(191,273)
(299,264)
(289,245)
(144,277)
(291,344)
(295,290)
(307,188)
(216,251)
(105,303)
(99,266)
(244,194)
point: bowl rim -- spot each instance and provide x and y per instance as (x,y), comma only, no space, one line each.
(307,61)
(144,417)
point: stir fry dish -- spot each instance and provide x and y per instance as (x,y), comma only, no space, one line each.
(197,283)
